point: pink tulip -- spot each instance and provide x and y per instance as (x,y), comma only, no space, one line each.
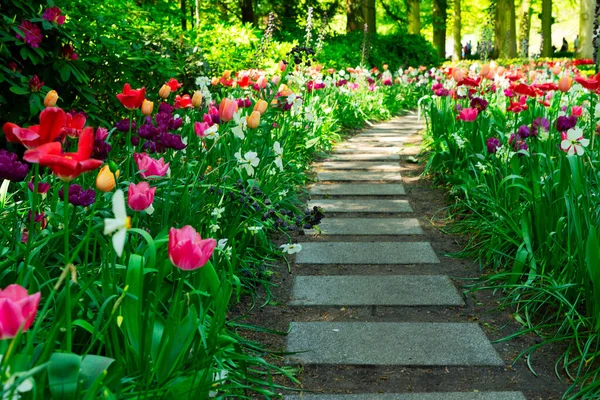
(227,108)
(468,114)
(262,82)
(576,111)
(282,66)
(149,167)
(140,196)
(200,128)
(276,79)
(187,250)
(17,310)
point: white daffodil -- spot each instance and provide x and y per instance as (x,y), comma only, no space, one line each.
(575,142)
(240,127)
(217,212)
(278,155)
(597,111)
(214,227)
(118,226)
(291,248)
(222,243)
(249,161)
(212,132)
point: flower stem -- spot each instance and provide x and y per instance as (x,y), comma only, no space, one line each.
(66,187)
(31,228)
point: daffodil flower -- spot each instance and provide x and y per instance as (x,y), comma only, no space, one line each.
(212,132)
(575,142)
(278,155)
(291,248)
(238,130)
(118,226)
(249,161)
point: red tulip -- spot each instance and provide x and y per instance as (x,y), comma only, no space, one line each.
(184,101)
(67,166)
(17,310)
(74,124)
(173,84)
(468,114)
(589,83)
(140,196)
(132,98)
(187,250)
(52,121)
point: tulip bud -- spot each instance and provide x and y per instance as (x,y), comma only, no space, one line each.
(261,106)
(105,181)
(147,107)
(214,81)
(165,91)
(51,98)
(197,99)
(113,167)
(253,120)
(556,69)
(565,83)
(276,79)
(282,66)
(385,67)
(226,74)
(485,70)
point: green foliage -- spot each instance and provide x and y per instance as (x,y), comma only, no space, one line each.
(398,50)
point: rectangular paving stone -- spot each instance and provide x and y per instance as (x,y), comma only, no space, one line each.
(361,165)
(369,139)
(414,396)
(366,206)
(372,290)
(391,343)
(364,157)
(377,253)
(369,226)
(362,150)
(358,189)
(358,176)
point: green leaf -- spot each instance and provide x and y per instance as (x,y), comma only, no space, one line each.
(177,346)
(92,367)
(35,103)
(19,90)
(63,374)
(132,305)
(65,71)
(592,259)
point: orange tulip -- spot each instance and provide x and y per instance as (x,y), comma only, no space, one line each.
(227,108)
(197,99)
(261,106)
(458,74)
(253,120)
(565,83)
(485,70)
(51,98)
(147,107)
(226,74)
(214,81)
(164,91)
(105,181)
(556,69)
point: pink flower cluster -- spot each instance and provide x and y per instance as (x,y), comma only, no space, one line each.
(33,34)
(53,14)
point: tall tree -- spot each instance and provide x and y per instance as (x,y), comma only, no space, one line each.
(414,16)
(354,13)
(438,20)
(247,11)
(586,29)
(183,15)
(369,15)
(505,29)
(546,28)
(525,25)
(456,31)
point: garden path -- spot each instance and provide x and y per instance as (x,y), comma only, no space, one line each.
(372,252)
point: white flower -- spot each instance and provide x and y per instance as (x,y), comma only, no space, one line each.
(575,142)
(254,229)
(214,227)
(222,243)
(212,132)
(278,155)
(118,226)
(462,91)
(283,193)
(291,248)
(238,130)
(249,161)
(597,111)
(216,212)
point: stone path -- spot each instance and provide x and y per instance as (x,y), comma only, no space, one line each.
(370,226)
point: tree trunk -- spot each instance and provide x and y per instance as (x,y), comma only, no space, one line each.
(506,37)
(525,28)
(247,11)
(369,15)
(439,17)
(183,16)
(586,29)
(354,14)
(546,28)
(456,31)
(197,14)
(414,17)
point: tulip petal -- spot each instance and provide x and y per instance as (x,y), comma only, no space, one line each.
(52,121)
(11,319)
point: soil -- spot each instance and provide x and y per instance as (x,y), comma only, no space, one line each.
(481,307)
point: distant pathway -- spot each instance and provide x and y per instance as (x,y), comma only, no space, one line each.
(372,252)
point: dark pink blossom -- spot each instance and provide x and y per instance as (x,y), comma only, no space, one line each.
(52,14)
(33,34)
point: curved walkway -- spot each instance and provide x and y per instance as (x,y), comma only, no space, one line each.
(373,255)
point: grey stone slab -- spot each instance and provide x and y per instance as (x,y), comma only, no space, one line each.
(369,139)
(369,226)
(358,206)
(358,189)
(399,290)
(389,166)
(361,150)
(364,157)
(358,176)
(414,396)
(376,253)
(391,343)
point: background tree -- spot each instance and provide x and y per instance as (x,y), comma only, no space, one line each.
(505,29)
(438,20)
(586,29)
(247,8)
(354,15)
(456,31)
(546,28)
(525,25)
(414,16)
